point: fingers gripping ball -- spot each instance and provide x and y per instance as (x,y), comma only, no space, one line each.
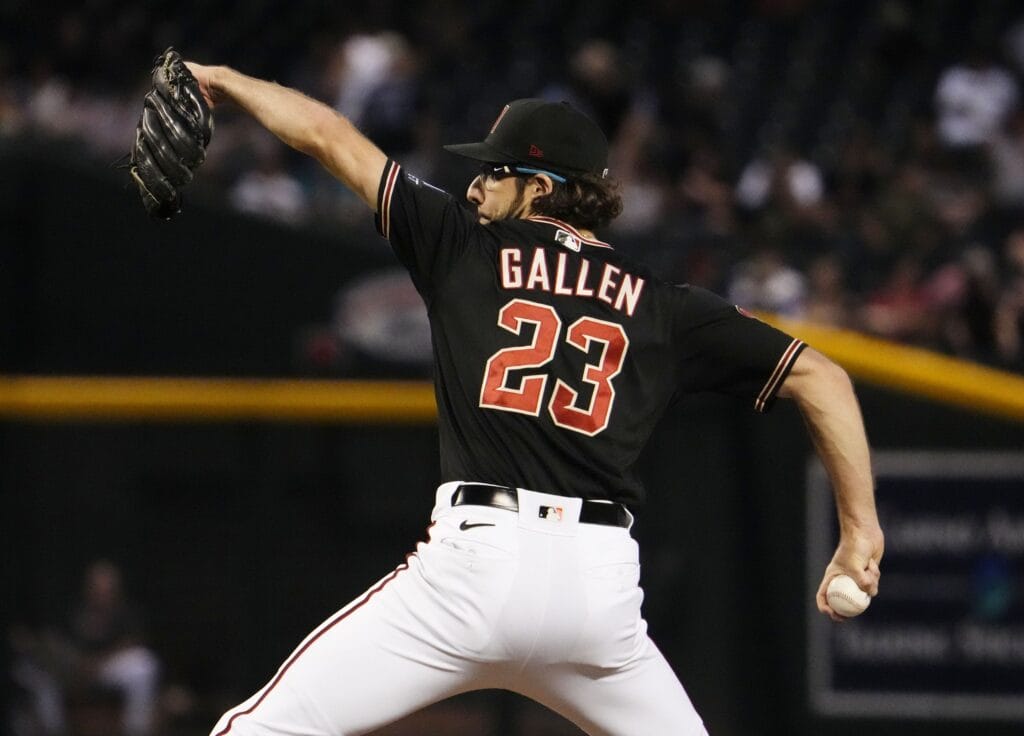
(171,138)
(845,597)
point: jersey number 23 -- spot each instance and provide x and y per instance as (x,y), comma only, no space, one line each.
(563,407)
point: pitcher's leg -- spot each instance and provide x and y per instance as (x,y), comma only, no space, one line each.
(364,667)
(644,698)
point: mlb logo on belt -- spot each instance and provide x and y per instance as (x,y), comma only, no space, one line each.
(551,513)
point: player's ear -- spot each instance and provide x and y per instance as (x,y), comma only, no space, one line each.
(541,184)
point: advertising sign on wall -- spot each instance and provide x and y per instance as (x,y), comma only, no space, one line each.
(945,636)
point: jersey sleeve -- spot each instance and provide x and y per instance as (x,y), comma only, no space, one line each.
(726,351)
(427,228)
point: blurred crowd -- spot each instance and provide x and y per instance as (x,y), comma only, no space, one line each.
(90,674)
(854,164)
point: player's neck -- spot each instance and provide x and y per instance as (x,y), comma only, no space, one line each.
(588,234)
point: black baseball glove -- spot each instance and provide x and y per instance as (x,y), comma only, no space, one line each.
(171,138)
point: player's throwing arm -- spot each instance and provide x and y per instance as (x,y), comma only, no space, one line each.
(824,394)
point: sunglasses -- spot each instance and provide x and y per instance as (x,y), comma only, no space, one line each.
(496,172)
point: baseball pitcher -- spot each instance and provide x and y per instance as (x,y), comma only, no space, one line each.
(554,357)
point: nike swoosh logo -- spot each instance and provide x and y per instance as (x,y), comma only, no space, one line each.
(466,525)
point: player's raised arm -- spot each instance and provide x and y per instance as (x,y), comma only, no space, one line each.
(303,123)
(825,396)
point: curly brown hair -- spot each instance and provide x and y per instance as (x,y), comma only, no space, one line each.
(588,201)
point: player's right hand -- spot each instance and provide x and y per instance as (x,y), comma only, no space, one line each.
(858,555)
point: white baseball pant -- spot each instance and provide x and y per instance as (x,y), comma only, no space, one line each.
(545,607)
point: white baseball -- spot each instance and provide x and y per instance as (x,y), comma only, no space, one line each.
(845,597)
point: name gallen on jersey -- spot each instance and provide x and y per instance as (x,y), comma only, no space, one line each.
(557,273)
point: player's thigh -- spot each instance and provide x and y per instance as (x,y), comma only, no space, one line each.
(364,667)
(642,699)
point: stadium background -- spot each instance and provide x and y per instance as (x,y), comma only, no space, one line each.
(790,154)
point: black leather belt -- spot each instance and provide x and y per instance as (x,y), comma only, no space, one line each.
(502,497)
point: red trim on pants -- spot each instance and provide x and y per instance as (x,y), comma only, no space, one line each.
(299,652)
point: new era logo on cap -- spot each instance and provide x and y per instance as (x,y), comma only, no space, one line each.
(535,152)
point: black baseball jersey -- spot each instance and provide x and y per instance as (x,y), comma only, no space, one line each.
(554,355)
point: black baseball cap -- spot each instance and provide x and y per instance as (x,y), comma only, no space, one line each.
(541,136)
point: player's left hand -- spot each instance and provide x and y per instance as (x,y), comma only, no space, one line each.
(171,138)
(858,555)
(204,76)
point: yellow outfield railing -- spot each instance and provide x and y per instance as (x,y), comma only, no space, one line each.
(913,370)
(76,398)
(70,398)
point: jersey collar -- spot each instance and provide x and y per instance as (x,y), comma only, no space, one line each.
(569,229)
